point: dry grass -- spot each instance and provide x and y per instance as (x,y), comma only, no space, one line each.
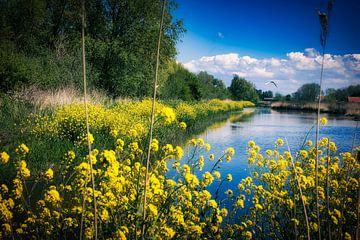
(43,99)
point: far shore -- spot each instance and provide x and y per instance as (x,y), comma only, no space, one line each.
(351,109)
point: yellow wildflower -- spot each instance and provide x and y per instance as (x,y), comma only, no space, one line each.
(4,157)
(49,174)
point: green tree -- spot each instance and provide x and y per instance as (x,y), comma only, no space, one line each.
(308,92)
(242,89)
(121,37)
(212,87)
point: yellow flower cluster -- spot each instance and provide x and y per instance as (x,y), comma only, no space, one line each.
(69,121)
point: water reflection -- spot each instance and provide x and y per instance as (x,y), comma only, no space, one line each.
(265,126)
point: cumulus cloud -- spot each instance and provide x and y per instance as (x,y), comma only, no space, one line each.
(290,72)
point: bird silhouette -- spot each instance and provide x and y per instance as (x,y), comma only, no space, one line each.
(272,83)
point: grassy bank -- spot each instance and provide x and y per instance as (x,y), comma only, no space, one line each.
(46,189)
(50,127)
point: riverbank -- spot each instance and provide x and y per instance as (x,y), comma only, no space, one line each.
(351,109)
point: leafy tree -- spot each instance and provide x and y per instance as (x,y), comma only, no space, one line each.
(307,92)
(121,38)
(341,95)
(181,85)
(212,87)
(242,89)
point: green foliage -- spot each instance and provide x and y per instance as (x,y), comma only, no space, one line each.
(184,85)
(264,94)
(308,92)
(341,95)
(242,89)
(121,38)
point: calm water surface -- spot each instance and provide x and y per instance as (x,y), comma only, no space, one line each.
(265,126)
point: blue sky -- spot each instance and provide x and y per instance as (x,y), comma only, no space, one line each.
(270,40)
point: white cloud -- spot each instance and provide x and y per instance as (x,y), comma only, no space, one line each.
(220,35)
(290,72)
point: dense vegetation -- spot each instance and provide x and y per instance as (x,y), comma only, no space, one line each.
(40,44)
(276,202)
(47,156)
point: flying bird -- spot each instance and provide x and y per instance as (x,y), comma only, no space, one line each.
(272,83)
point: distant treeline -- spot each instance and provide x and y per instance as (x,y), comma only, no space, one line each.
(309,92)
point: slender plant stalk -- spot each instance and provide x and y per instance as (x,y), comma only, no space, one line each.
(327,191)
(87,127)
(317,145)
(152,116)
(358,190)
(300,191)
(354,138)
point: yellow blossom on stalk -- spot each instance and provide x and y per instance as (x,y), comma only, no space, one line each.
(196,230)
(120,142)
(251,143)
(133,133)
(201,142)
(314,226)
(212,203)
(258,206)
(114,133)
(120,235)
(334,220)
(104,215)
(168,232)
(295,221)
(168,115)
(168,149)
(248,235)
(208,178)
(230,151)
(153,210)
(229,192)
(49,174)
(89,233)
(309,143)
(175,165)
(229,177)
(178,152)
(52,195)
(6,229)
(4,157)
(323,121)
(4,188)
(269,152)
(89,138)
(279,142)
(182,125)
(154,145)
(207,147)
(134,146)
(24,171)
(212,157)
(193,142)
(224,212)
(347,236)
(303,153)
(191,179)
(186,168)
(22,149)
(240,203)
(217,174)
